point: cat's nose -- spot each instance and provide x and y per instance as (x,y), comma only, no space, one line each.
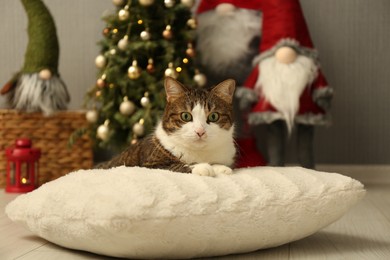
(200,132)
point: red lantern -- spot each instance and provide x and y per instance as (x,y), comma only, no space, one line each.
(22,166)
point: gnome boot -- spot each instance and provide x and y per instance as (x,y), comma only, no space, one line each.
(276,142)
(305,150)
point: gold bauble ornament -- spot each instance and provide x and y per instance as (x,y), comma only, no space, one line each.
(138,128)
(188,3)
(103,131)
(124,13)
(123,43)
(134,72)
(146,2)
(118,2)
(169,3)
(170,71)
(126,107)
(100,61)
(192,23)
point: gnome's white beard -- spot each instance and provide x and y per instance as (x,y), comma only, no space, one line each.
(223,41)
(282,84)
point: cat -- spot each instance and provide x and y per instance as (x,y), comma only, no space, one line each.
(195,134)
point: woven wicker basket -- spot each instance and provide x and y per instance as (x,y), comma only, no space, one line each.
(50,134)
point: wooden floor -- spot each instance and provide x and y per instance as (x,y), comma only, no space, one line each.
(363,233)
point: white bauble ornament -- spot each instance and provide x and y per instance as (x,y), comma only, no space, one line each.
(103,131)
(146,2)
(286,55)
(91,116)
(123,14)
(126,107)
(192,23)
(200,79)
(118,2)
(100,61)
(169,3)
(225,9)
(145,35)
(188,3)
(145,101)
(45,74)
(123,43)
(138,129)
(170,71)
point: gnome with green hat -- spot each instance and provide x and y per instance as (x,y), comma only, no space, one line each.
(38,86)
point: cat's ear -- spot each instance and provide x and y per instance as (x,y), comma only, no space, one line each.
(225,90)
(173,89)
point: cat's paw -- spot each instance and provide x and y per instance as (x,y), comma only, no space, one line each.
(203,169)
(222,169)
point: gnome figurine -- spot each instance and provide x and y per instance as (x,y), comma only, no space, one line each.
(284,88)
(38,86)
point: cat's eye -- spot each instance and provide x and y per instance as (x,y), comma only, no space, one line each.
(213,117)
(186,117)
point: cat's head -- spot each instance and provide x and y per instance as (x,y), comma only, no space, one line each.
(199,116)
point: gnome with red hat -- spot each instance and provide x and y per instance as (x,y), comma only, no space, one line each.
(266,46)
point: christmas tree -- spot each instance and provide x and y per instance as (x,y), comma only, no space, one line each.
(143,42)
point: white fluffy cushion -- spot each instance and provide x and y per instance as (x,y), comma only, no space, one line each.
(143,213)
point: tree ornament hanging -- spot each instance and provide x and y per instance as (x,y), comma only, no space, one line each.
(103,131)
(100,61)
(118,2)
(145,35)
(170,71)
(190,50)
(200,79)
(169,3)
(92,116)
(126,107)
(124,13)
(134,72)
(146,2)
(191,23)
(188,3)
(138,128)
(123,43)
(150,67)
(100,83)
(167,33)
(145,100)
(106,31)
